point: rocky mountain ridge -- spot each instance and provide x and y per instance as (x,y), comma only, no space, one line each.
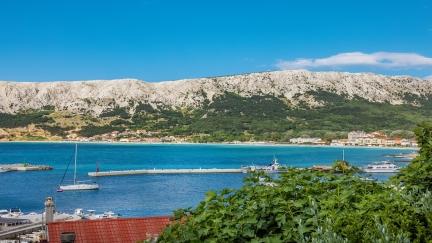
(95,97)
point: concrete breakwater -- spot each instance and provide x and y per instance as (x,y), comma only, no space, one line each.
(23,167)
(165,171)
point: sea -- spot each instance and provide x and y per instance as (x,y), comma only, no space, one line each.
(151,195)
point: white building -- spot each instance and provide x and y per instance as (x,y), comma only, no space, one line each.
(306,140)
(409,143)
(354,135)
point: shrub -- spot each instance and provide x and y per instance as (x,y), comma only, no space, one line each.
(312,206)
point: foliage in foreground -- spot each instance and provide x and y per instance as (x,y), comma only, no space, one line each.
(311,206)
(419,173)
(307,206)
(342,166)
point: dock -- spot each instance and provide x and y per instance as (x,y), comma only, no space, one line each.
(165,171)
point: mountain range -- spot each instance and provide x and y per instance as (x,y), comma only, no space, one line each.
(268,105)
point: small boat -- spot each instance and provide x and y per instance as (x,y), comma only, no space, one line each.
(77,185)
(110,215)
(106,215)
(91,214)
(11,213)
(3,212)
(79,212)
(382,167)
(273,167)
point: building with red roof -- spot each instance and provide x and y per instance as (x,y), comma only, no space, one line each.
(121,230)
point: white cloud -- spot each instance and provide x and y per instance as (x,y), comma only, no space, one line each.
(376,59)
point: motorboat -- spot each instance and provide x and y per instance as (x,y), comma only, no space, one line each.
(3,212)
(110,215)
(91,214)
(11,213)
(382,167)
(274,166)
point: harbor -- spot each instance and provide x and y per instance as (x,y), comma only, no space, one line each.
(141,191)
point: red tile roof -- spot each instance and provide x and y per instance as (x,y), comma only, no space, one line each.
(109,230)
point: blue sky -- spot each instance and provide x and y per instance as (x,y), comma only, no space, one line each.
(167,40)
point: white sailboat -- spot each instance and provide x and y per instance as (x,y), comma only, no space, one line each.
(78,185)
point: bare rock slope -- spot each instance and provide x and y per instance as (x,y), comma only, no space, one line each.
(294,86)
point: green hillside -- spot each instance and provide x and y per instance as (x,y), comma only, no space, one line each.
(232,117)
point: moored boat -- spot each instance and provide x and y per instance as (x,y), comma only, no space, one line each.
(273,167)
(77,185)
(382,167)
(10,213)
(91,214)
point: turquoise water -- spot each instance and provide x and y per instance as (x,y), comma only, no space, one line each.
(142,195)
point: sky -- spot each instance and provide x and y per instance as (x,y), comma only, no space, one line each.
(167,40)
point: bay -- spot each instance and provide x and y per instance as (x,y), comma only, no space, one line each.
(145,195)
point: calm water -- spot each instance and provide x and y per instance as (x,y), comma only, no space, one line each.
(143,195)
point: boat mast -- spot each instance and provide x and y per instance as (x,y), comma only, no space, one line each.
(76,152)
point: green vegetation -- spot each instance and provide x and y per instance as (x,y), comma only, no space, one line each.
(418,175)
(232,117)
(311,206)
(117,111)
(24,119)
(34,138)
(90,131)
(342,166)
(267,118)
(55,130)
(359,114)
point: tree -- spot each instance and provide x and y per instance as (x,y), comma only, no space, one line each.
(342,166)
(418,174)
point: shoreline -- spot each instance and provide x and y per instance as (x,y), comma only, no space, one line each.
(270,144)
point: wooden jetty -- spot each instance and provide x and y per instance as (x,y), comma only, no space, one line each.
(165,171)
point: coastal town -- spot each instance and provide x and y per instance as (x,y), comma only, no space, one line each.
(360,138)
(354,138)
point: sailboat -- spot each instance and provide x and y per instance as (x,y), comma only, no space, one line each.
(77,185)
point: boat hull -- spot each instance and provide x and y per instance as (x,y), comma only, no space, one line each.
(79,187)
(380,171)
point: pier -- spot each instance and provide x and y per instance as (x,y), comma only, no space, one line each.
(165,171)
